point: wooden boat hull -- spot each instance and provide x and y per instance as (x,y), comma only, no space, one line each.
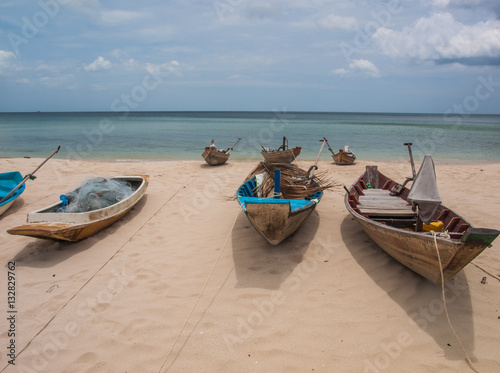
(281,156)
(8,181)
(416,250)
(275,218)
(45,223)
(344,158)
(276,222)
(214,157)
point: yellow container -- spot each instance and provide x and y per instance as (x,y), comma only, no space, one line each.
(436,226)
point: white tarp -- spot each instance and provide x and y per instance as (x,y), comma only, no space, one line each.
(424,191)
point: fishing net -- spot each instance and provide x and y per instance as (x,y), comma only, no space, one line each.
(94,194)
(295,182)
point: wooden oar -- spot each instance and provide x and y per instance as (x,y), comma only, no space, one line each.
(29,176)
(231,148)
(310,172)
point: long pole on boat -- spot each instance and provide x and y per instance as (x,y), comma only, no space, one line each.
(29,176)
(329,147)
(232,147)
(409,144)
(314,167)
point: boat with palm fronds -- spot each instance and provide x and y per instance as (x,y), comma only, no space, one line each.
(401,221)
(93,206)
(281,155)
(278,198)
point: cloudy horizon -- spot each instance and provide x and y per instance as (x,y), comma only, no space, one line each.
(427,56)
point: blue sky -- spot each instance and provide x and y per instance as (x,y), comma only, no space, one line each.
(434,56)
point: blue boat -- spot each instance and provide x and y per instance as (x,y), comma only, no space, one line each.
(8,182)
(272,214)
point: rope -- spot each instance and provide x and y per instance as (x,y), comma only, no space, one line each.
(472,366)
(199,295)
(91,277)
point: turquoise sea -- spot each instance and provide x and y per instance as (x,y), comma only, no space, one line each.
(183,135)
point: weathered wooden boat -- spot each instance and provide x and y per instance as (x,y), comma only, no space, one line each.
(278,198)
(400,221)
(215,157)
(344,156)
(54,223)
(281,155)
(275,217)
(8,192)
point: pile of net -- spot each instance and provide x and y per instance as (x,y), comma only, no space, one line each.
(94,194)
(295,182)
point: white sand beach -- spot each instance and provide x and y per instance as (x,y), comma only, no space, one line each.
(184,283)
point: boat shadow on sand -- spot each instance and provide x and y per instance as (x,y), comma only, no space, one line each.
(45,253)
(258,264)
(14,208)
(418,297)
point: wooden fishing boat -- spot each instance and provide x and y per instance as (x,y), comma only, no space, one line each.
(215,157)
(400,221)
(8,182)
(52,222)
(344,156)
(282,154)
(277,217)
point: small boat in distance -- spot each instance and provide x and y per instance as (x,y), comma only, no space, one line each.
(8,182)
(400,221)
(216,157)
(344,156)
(282,154)
(54,222)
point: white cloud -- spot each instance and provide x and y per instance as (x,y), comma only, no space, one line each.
(67,81)
(99,64)
(334,21)
(115,17)
(359,67)
(5,59)
(171,67)
(90,8)
(441,37)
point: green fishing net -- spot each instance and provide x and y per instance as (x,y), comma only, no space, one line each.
(95,194)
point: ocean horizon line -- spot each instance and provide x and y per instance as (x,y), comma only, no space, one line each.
(274,111)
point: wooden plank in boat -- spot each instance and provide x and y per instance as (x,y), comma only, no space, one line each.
(391,211)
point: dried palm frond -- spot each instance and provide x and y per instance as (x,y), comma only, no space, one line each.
(295,182)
